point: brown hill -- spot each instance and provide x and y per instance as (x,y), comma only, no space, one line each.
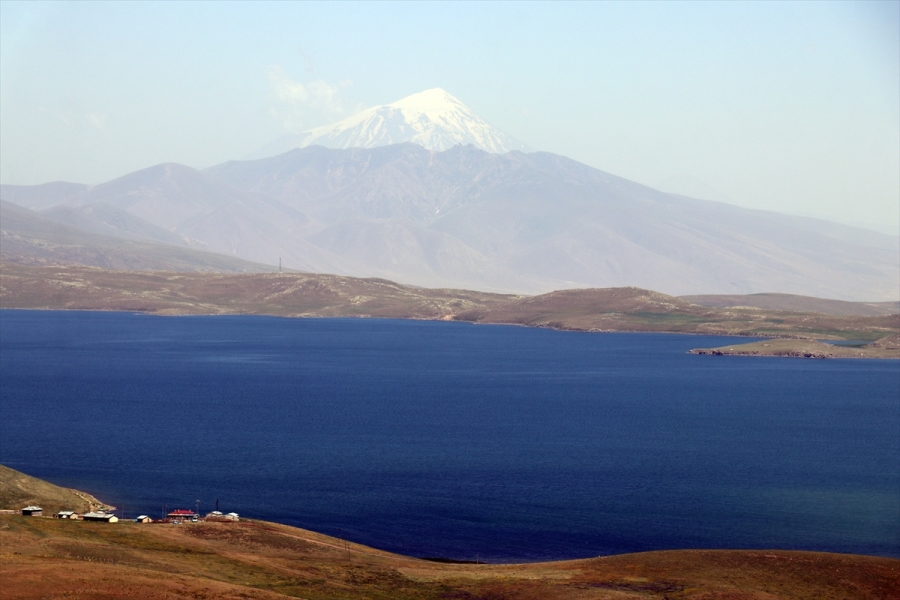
(884,348)
(281,294)
(590,309)
(634,309)
(18,490)
(45,557)
(308,295)
(794,303)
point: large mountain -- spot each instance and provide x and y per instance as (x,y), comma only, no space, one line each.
(432,119)
(194,209)
(468,218)
(535,222)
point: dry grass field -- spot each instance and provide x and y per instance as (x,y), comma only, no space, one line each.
(794,303)
(43,557)
(18,490)
(49,558)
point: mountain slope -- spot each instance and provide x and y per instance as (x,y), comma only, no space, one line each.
(166,195)
(108,220)
(432,119)
(46,195)
(516,222)
(27,237)
(546,222)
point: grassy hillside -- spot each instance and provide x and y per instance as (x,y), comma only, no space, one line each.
(52,558)
(313,295)
(18,490)
(887,347)
(795,303)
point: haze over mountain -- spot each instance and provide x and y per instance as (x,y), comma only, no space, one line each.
(467,218)
(432,119)
(424,192)
(471,218)
(29,238)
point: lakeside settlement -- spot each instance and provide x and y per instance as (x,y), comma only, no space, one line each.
(247,559)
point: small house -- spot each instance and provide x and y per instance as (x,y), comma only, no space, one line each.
(143,519)
(32,511)
(101,516)
(182,515)
(66,514)
(219,517)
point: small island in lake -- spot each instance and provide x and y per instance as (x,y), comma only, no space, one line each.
(886,347)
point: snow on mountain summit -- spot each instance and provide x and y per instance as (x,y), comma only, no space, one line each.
(434,101)
(432,119)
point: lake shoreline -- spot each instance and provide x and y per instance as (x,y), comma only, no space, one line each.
(796,346)
(324,422)
(258,559)
(888,348)
(306,295)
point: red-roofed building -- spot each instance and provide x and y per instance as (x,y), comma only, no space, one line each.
(182,514)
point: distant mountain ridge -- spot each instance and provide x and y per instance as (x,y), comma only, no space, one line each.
(556,223)
(466,218)
(432,119)
(27,237)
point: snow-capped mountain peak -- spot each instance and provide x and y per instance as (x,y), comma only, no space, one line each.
(435,100)
(433,119)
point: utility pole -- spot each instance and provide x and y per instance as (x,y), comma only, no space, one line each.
(279,264)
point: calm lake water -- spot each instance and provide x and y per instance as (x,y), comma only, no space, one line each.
(456,440)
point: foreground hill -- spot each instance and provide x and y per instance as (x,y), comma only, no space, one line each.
(45,558)
(309,295)
(18,490)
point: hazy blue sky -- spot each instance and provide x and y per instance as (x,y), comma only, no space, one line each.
(792,107)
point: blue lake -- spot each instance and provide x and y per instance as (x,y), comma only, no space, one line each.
(456,440)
